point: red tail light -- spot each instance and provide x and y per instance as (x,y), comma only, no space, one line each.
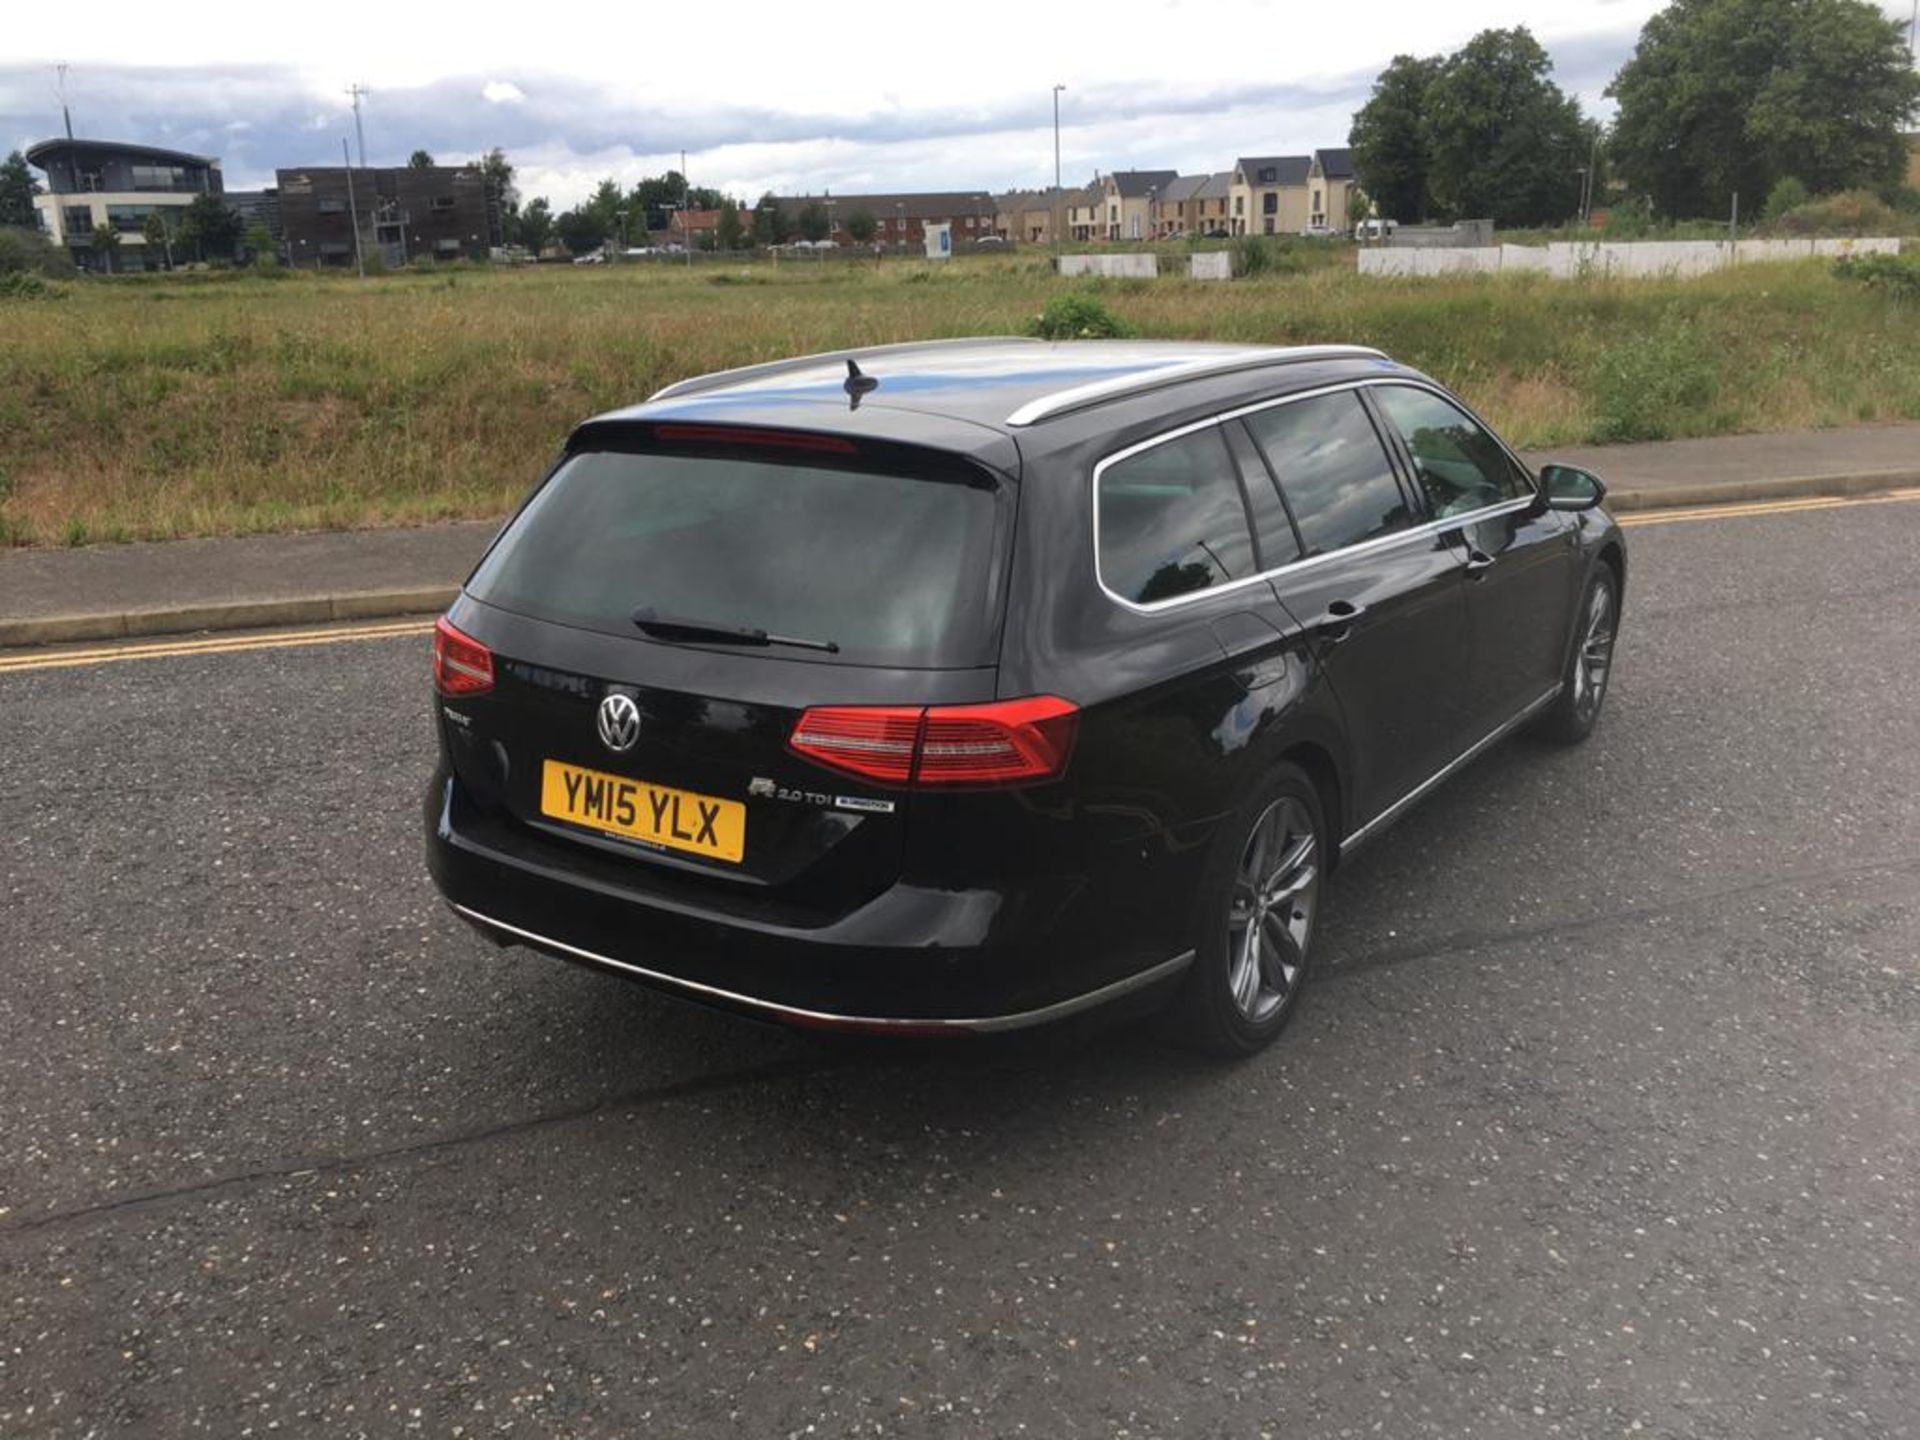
(877,741)
(461,664)
(1008,742)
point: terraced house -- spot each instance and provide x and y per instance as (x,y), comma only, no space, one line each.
(1286,194)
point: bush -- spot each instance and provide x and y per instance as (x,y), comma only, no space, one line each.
(1851,212)
(1787,194)
(1267,255)
(1897,275)
(26,285)
(1077,317)
(23,248)
(1653,387)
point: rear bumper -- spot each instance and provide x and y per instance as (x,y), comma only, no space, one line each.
(913,960)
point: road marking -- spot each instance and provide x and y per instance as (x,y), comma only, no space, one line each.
(1764,507)
(210,645)
(296,639)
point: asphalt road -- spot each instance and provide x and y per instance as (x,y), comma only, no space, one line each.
(1601,1118)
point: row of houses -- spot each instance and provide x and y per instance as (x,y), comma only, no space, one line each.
(448,212)
(309,215)
(1260,195)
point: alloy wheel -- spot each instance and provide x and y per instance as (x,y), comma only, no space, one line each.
(1270,916)
(1590,666)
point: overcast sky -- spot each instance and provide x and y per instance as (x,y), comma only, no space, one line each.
(789,96)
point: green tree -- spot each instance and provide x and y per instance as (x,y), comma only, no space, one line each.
(105,242)
(17,189)
(770,225)
(1502,139)
(259,245)
(861,226)
(533,227)
(1726,96)
(499,170)
(420,160)
(729,230)
(157,238)
(1389,138)
(211,228)
(813,223)
(582,229)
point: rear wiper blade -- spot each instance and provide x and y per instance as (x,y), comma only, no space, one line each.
(679,627)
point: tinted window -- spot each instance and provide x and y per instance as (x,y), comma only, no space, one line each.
(1460,466)
(1332,469)
(1172,520)
(894,569)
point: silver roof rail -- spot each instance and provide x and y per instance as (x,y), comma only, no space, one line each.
(1137,382)
(720,379)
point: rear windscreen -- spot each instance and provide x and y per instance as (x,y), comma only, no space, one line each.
(893,568)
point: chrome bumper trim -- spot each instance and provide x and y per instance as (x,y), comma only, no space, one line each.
(982,1024)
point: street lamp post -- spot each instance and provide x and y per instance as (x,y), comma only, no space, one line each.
(1055,215)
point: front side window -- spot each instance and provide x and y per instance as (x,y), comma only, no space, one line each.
(1461,468)
(1332,470)
(1173,520)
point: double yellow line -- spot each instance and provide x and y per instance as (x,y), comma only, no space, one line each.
(209,645)
(21,661)
(1764,507)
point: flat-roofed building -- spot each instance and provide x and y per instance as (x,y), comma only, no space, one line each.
(91,183)
(406,213)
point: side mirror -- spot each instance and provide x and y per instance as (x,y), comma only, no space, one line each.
(1568,487)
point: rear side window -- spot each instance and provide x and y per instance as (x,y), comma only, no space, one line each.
(1173,521)
(893,568)
(1332,469)
(1459,465)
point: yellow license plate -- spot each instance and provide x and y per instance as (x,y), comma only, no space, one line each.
(636,810)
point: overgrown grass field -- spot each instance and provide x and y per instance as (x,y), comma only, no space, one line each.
(226,404)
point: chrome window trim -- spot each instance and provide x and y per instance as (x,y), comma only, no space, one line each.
(977,1024)
(1429,530)
(1459,762)
(1095,392)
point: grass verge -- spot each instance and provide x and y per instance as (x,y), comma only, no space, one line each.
(154,409)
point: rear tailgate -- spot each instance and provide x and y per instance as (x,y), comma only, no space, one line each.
(671,751)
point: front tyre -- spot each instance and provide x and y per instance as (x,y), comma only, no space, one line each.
(1583,685)
(1255,919)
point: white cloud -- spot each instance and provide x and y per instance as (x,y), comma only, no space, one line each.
(502,92)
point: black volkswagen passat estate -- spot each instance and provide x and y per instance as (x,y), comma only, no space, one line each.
(963,686)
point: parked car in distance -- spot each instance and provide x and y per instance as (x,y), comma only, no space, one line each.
(592,257)
(1375,229)
(758,700)
(990,242)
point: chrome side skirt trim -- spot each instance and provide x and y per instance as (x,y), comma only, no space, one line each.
(982,1024)
(1400,806)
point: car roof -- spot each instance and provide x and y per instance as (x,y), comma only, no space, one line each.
(1003,384)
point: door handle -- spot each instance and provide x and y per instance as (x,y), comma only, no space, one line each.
(1337,623)
(1478,561)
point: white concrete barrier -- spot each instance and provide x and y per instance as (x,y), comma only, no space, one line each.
(1211,265)
(1116,267)
(1567,260)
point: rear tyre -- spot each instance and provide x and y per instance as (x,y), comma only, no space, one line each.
(1583,684)
(1255,918)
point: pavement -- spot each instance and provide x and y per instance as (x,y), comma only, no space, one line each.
(1597,1120)
(104,592)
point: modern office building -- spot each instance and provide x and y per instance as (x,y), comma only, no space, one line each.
(91,183)
(442,212)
